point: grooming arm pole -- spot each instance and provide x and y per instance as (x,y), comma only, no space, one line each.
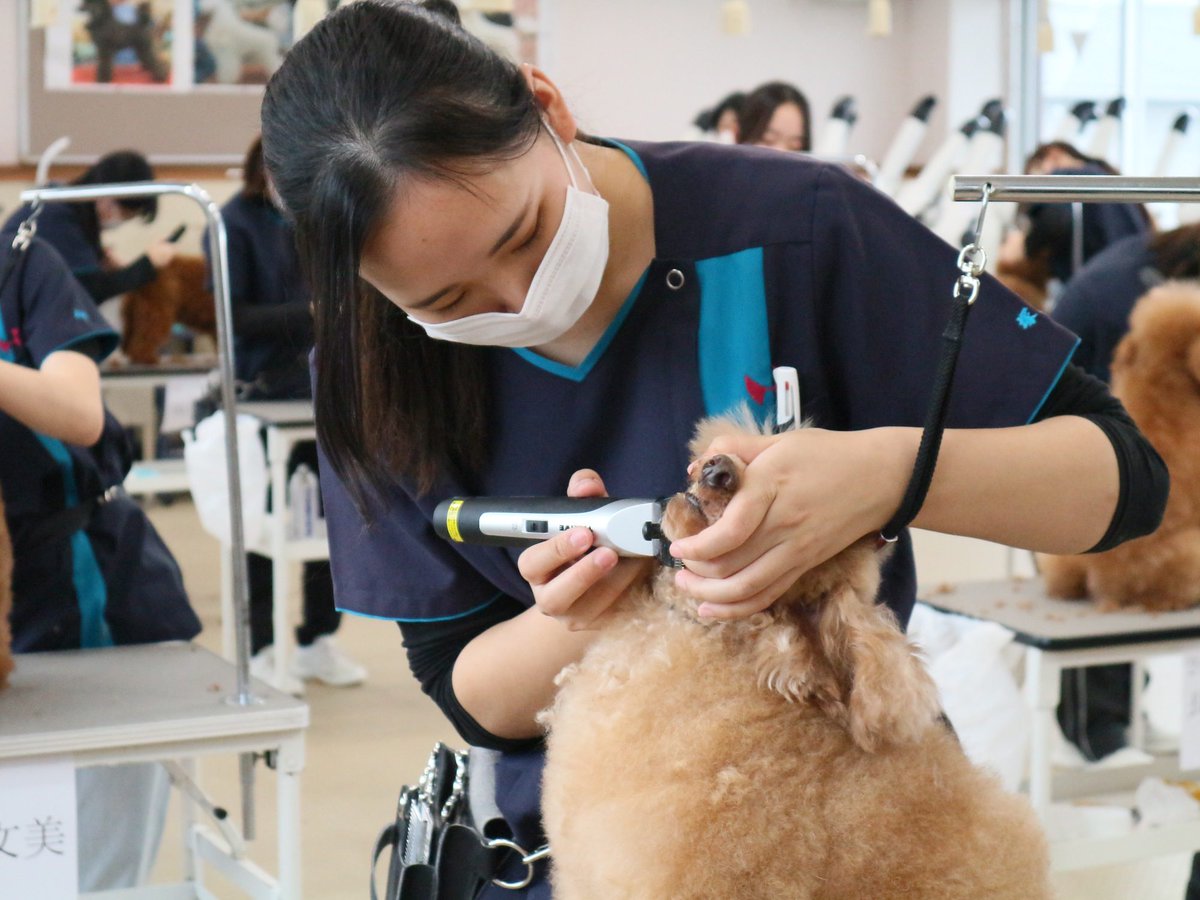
(1077,189)
(218,253)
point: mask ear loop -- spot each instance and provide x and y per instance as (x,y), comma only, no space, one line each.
(562,151)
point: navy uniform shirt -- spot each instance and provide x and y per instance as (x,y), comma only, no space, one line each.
(1096,303)
(763,259)
(1051,226)
(263,271)
(71,229)
(42,310)
(114,582)
(61,226)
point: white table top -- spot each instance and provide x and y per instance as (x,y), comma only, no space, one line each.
(160,371)
(280,413)
(77,700)
(1041,621)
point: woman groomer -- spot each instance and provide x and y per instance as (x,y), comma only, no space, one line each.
(74,229)
(503,307)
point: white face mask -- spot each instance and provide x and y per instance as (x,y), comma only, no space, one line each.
(563,287)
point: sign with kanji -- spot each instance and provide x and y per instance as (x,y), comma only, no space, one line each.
(39,847)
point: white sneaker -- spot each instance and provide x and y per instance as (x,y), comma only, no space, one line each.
(323,661)
(262,667)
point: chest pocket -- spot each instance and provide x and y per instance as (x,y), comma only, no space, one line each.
(734,341)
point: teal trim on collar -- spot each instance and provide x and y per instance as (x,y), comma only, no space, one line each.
(109,341)
(580,372)
(632,154)
(462,615)
(1057,378)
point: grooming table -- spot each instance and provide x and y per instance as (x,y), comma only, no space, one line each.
(1066,634)
(287,423)
(130,391)
(161,702)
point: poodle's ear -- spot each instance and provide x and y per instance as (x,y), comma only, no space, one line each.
(790,660)
(1193,359)
(1125,356)
(892,699)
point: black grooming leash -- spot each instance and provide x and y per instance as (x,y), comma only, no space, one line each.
(971,262)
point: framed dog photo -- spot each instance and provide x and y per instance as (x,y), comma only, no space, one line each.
(113,44)
(239,42)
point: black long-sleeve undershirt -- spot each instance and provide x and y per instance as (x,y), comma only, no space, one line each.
(433,647)
(1143,481)
(102,284)
(289,322)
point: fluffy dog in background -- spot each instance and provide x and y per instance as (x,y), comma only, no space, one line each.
(111,36)
(1156,374)
(178,294)
(797,753)
(236,43)
(6,570)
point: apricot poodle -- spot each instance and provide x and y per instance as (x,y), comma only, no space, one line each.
(179,294)
(798,753)
(1156,374)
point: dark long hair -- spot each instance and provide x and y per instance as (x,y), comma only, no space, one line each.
(378,94)
(1050,230)
(760,105)
(254,176)
(1177,253)
(707,119)
(118,167)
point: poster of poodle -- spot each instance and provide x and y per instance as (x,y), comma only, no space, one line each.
(185,45)
(240,41)
(112,44)
(122,42)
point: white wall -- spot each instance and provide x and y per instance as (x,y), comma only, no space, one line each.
(10,84)
(644,68)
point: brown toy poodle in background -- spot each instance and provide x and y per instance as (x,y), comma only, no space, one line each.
(797,753)
(6,570)
(179,294)
(1156,374)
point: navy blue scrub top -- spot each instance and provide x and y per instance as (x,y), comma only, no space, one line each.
(784,261)
(1052,225)
(60,226)
(55,313)
(115,582)
(1096,303)
(264,270)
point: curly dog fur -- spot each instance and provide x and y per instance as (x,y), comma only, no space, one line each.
(178,294)
(1156,374)
(6,570)
(796,753)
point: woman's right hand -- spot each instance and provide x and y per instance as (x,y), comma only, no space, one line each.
(569,583)
(161,253)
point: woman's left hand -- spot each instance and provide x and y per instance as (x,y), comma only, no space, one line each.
(806,495)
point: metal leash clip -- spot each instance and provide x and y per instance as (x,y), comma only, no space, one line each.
(27,229)
(527,858)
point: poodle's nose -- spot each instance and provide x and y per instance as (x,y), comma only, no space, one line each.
(718,473)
